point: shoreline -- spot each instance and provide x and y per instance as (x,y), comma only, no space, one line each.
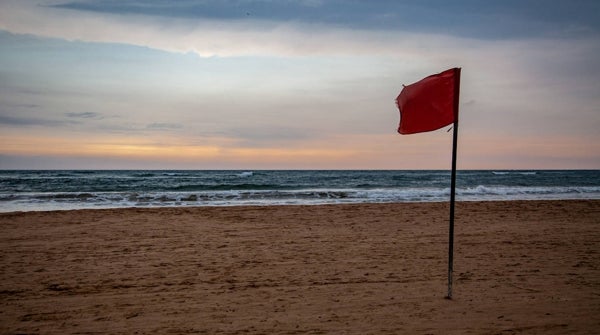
(184,207)
(520,266)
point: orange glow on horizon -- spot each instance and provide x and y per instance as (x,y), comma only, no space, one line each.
(337,152)
(133,148)
(143,149)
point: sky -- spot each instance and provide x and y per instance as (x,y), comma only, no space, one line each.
(294,84)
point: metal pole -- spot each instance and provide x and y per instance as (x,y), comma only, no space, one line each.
(453,183)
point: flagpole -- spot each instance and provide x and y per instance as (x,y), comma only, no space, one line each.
(453,183)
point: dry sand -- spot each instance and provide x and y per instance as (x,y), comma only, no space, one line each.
(521,267)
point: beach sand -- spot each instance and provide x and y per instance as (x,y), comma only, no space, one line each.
(521,267)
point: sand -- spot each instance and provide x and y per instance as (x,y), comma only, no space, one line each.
(521,267)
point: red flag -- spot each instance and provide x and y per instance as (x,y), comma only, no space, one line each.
(429,104)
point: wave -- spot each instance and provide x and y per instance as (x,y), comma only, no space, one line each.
(482,192)
(74,200)
(41,190)
(144,174)
(504,173)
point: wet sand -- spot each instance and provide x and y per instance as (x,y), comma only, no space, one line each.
(521,267)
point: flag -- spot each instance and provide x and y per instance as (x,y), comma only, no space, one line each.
(429,104)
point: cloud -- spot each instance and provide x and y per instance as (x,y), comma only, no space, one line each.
(84,115)
(214,28)
(271,84)
(164,126)
(207,37)
(25,121)
(506,19)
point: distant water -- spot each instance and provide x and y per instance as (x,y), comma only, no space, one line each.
(50,190)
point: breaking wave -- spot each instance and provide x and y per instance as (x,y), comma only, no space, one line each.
(50,190)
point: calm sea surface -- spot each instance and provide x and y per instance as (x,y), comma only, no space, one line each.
(50,190)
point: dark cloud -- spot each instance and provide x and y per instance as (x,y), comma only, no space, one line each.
(84,115)
(28,106)
(471,18)
(25,121)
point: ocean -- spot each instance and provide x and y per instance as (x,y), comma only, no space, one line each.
(78,189)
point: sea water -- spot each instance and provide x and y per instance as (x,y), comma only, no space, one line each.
(77,189)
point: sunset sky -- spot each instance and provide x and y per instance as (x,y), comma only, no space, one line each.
(294,84)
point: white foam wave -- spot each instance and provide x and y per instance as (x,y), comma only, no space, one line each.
(524,173)
(53,201)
